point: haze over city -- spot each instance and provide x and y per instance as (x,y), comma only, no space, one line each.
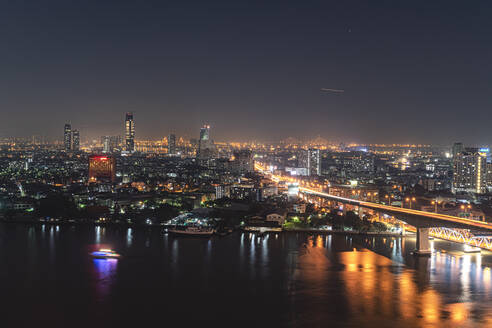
(245,163)
(254,71)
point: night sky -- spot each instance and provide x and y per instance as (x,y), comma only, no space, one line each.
(412,71)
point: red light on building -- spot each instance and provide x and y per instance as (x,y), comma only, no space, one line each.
(102,168)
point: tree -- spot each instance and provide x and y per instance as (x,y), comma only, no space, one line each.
(57,206)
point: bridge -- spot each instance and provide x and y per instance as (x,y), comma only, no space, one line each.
(421,220)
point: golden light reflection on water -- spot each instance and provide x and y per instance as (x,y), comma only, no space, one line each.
(377,291)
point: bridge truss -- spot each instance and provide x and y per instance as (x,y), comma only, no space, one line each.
(462,236)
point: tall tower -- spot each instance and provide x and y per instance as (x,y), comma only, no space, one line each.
(67,137)
(75,140)
(106,141)
(314,161)
(470,171)
(171,144)
(129,132)
(205,133)
(457,148)
(206,147)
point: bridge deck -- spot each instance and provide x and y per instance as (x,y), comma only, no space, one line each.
(472,224)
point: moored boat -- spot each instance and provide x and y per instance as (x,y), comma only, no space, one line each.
(192,231)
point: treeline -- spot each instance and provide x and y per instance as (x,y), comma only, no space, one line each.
(349,221)
(59,207)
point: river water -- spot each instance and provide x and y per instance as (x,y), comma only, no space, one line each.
(47,279)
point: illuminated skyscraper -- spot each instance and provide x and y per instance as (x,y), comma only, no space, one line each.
(205,133)
(129,133)
(106,141)
(470,171)
(75,140)
(206,147)
(102,168)
(314,162)
(67,137)
(171,144)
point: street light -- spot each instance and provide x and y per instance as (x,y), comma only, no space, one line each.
(406,200)
(409,200)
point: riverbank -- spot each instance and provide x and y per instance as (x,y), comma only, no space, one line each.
(343,232)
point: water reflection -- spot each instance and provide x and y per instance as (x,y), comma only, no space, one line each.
(296,279)
(105,270)
(379,290)
(129,237)
(100,232)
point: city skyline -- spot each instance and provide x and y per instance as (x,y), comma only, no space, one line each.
(246,163)
(411,73)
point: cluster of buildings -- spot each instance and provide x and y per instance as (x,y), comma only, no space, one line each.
(71,138)
(196,171)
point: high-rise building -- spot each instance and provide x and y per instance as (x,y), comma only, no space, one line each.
(171,144)
(205,133)
(489,175)
(243,162)
(75,140)
(106,141)
(206,147)
(67,137)
(457,148)
(129,133)
(470,171)
(314,162)
(102,168)
(114,143)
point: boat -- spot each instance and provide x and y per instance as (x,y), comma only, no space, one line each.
(193,231)
(105,253)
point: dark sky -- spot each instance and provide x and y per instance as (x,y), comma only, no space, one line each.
(412,71)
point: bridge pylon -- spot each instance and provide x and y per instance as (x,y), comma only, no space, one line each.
(422,245)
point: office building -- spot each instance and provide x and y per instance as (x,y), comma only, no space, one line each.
(106,141)
(205,133)
(243,162)
(206,147)
(67,137)
(102,168)
(314,162)
(75,140)
(129,132)
(171,144)
(457,148)
(470,171)
(114,143)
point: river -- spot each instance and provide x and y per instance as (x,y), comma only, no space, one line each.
(47,279)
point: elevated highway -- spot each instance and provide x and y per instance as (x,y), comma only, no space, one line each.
(418,219)
(421,220)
